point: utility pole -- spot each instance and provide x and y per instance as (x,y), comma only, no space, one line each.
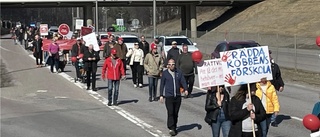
(154,18)
(97,26)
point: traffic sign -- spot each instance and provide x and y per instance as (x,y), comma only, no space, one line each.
(135,22)
(120,22)
(79,23)
(44,29)
(63,29)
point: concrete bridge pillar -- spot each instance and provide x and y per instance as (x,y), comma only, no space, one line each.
(183,18)
(193,21)
(87,15)
(188,18)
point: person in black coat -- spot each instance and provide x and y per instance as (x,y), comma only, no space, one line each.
(217,104)
(76,50)
(173,53)
(241,112)
(37,50)
(276,81)
(91,59)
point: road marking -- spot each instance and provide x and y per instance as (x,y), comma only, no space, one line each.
(296,118)
(137,121)
(60,97)
(42,91)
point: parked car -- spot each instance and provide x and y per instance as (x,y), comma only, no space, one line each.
(167,40)
(128,39)
(232,45)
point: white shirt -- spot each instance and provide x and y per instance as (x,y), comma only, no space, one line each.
(246,123)
(264,97)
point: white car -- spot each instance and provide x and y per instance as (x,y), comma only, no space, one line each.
(166,42)
(129,40)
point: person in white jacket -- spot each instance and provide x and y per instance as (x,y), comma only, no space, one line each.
(136,64)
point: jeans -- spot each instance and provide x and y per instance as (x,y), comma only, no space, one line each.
(39,57)
(265,125)
(137,73)
(153,84)
(221,123)
(116,84)
(173,106)
(124,65)
(54,62)
(190,83)
(93,79)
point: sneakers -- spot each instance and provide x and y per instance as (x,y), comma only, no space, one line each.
(135,85)
(140,85)
(109,103)
(274,124)
(172,132)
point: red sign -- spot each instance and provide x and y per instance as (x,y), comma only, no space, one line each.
(64,29)
(43,29)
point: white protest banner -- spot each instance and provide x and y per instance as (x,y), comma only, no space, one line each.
(246,65)
(210,73)
(44,29)
(69,35)
(91,39)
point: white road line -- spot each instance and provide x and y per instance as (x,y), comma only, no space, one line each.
(137,121)
(296,118)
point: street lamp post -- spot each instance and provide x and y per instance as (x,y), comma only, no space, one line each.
(154,18)
(97,26)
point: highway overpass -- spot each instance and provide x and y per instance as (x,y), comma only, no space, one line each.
(188,7)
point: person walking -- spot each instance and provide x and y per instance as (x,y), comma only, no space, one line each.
(136,56)
(188,67)
(269,98)
(37,50)
(91,59)
(144,45)
(173,53)
(171,82)
(217,108)
(113,71)
(153,64)
(121,52)
(108,46)
(77,52)
(54,55)
(242,111)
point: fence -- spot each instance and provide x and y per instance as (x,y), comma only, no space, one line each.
(297,52)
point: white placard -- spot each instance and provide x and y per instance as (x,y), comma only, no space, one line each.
(44,29)
(246,65)
(69,35)
(79,23)
(210,73)
(91,39)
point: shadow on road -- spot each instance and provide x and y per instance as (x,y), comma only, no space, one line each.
(128,101)
(198,94)
(280,118)
(102,88)
(22,70)
(189,127)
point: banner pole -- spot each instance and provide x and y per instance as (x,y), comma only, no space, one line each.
(250,100)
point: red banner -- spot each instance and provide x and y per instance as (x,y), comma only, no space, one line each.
(63,44)
(85,31)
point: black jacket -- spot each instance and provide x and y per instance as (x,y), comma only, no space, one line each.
(37,45)
(145,47)
(173,53)
(212,105)
(90,63)
(237,114)
(277,81)
(75,50)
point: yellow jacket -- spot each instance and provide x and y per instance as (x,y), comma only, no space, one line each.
(272,104)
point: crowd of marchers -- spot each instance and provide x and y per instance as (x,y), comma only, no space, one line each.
(176,72)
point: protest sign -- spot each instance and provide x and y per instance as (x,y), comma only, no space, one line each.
(91,39)
(246,65)
(210,73)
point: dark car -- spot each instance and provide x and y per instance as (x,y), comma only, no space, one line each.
(232,45)
(111,29)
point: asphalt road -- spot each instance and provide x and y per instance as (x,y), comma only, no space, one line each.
(44,104)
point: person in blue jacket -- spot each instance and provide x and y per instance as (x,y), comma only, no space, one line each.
(171,81)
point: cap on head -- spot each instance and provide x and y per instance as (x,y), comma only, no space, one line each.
(113,51)
(120,38)
(153,46)
(173,42)
(78,39)
(136,43)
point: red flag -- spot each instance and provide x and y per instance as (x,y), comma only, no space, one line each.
(85,31)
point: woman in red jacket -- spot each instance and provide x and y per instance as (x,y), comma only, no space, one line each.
(113,66)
